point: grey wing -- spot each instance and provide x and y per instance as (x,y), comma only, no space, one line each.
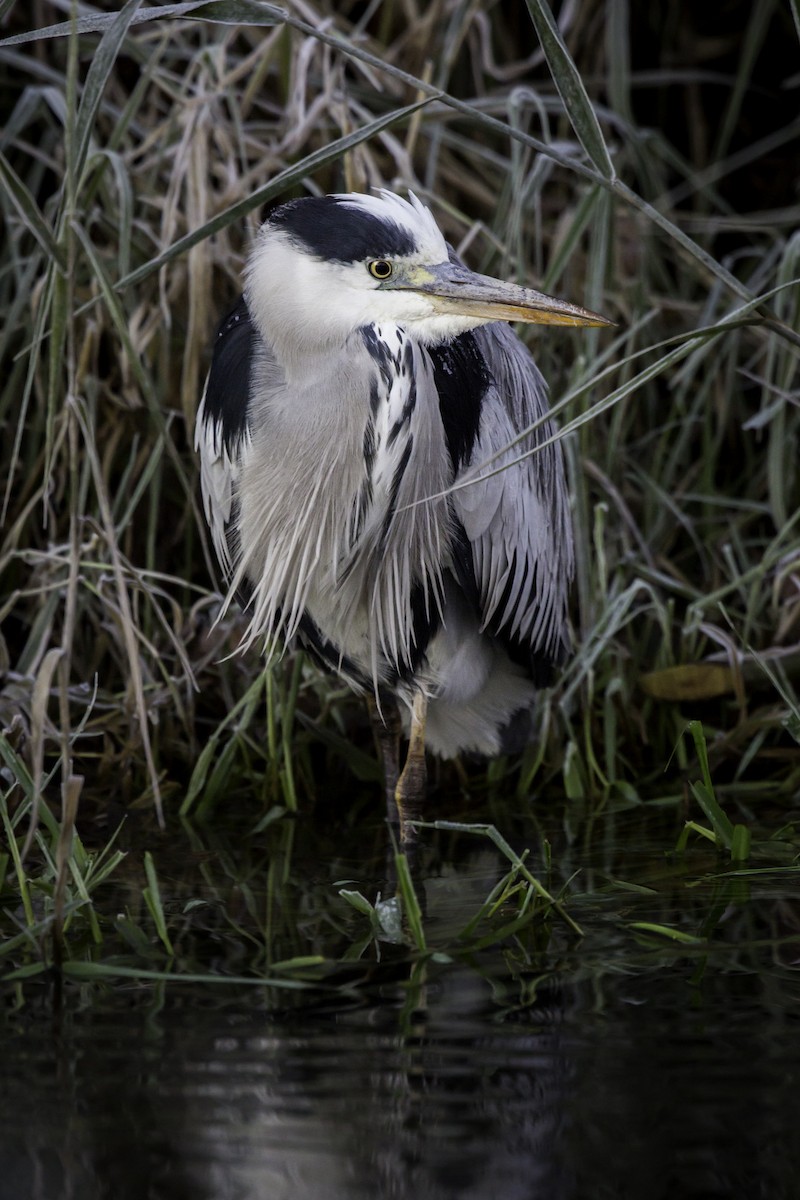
(517,521)
(222,431)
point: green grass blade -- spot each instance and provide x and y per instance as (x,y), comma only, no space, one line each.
(22,881)
(495,836)
(152,897)
(98,23)
(97,76)
(695,728)
(570,88)
(411,907)
(740,844)
(666,931)
(29,213)
(239,12)
(719,822)
(704,792)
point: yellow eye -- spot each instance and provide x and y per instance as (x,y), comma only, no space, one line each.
(380,269)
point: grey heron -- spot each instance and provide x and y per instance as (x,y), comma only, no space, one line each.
(364,376)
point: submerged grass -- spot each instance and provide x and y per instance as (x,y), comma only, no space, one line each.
(560,147)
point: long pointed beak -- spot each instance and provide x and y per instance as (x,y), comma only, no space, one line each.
(454,290)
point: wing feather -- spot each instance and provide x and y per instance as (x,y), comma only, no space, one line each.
(517,520)
(222,430)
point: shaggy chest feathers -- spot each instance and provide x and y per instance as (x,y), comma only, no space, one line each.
(355,546)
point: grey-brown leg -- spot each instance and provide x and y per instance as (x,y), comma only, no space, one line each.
(411,786)
(387,728)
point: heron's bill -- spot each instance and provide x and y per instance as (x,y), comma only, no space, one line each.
(454,290)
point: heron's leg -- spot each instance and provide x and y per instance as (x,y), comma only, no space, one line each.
(387,728)
(410,791)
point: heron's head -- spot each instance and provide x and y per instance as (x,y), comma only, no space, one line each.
(325,266)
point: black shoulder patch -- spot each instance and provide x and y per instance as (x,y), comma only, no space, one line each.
(228,387)
(463,566)
(462,377)
(339,232)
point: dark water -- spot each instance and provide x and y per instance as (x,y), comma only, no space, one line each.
(615,1066)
